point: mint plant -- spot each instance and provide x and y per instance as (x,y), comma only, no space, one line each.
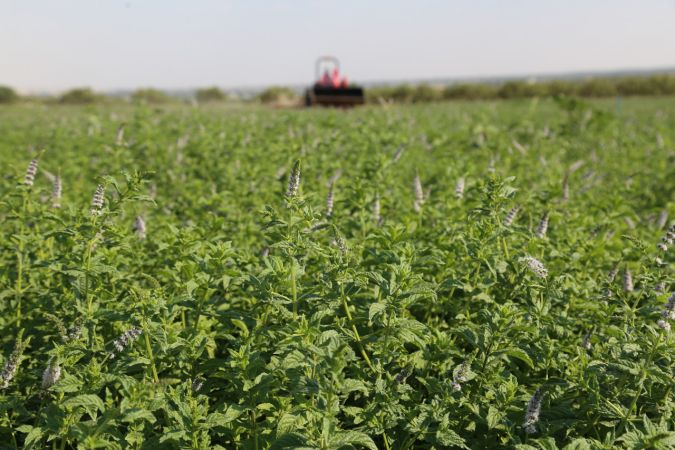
(469,275)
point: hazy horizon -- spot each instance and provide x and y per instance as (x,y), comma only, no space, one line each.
(383,82)
(118,45)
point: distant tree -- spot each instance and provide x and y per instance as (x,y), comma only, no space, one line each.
(401,94)
(276,94)
(635,86)
(7,95)
(664,84)
(470,92)
(519,89)
(425,93)
(211,94)
(559,87)
(150,95)
(597,87)
(79,96)
(653,85)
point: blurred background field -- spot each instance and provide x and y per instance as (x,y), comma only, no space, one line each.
(591,87)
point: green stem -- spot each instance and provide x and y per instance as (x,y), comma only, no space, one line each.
(387,332)
(506,250)
(635,306)
(255,430)
(88,298)
(634,401)
(408,442)
(87,267)
(345,305)
(479,385)
(148,348)
(9,422)
(293,280)
(386,442)
(37,416)
(18,288)
(636,397)
(487,356)
(294,291)
(198,315)
(19,284)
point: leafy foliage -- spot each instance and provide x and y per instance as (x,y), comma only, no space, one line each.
(150,95)
(655,85)
(244,316)
(210,94)
(79,96)
(276,94)
(8,95)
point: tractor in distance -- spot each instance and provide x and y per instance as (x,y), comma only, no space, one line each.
(331,88)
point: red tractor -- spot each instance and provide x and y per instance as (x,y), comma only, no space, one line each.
(332,89)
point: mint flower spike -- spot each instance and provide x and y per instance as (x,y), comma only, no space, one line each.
(119,135)
(97,201)
(399,152)
(31,171)
(586,342)
(667,239)
(197,384)
(330,200)
(377,209)
(56,192)
(459,188)
(667,314)
(459,377)
(543,226)
(669,311)
(51,375)
(139,227)
(663,219)
(294,180)
(536,266)
(402,376)
(122,342)
(419,193)
(532,413)
(627,281)
(511,216)
(12,364)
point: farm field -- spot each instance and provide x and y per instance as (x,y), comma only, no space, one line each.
(461,275)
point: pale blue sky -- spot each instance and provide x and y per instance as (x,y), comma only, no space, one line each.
(107,44)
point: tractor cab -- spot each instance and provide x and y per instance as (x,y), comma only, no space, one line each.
(331,88)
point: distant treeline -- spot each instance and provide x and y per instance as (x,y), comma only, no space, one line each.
(652,85)
(86,96)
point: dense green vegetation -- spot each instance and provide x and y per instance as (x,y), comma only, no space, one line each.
(621,86)
(276,94)
(150,95)
(654,85)
(7,95)
(80,96)
(212,94)
(462,275)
